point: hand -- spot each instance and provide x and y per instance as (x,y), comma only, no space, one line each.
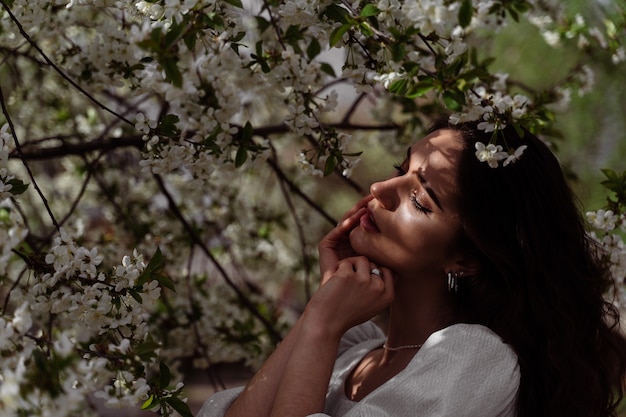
(335,246)
(350,296)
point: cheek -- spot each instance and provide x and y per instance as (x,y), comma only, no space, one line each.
(429,244)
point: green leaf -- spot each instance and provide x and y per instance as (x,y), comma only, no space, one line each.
(419,89)
(180,406)
(236,3)
(262,23)
(247,132)
(339,14)
(330,165)
(337,34)
(165,376)
(610,174)
(328,69)
(213,21)
(154,267)
(167,126)
(398,51)
(242,155)
(264,67)
(399,86)
(18,187)
(465,13)
(149,403)
(453,101)
(513,13)
(136,296)
(164,281)
(172,73)
(293,33)
(147,350)
(369,10)
(190,40)
(366,29)
(313,49)
(239,36)
(175,32)
(234,41)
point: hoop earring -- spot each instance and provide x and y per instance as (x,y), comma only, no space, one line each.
(453,285)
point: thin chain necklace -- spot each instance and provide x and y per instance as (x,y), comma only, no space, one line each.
(393,349)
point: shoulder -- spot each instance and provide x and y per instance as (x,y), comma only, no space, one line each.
(364,332)
(471,340)
(471,349)
(470,369)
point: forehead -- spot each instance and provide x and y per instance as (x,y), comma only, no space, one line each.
(435,158)
(440,148)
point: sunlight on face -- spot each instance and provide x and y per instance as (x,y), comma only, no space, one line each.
(412,225)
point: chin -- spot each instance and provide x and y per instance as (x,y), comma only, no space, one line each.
(364,248)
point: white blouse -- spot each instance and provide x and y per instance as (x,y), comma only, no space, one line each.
(461,370)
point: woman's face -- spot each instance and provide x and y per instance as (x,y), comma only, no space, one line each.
(413,226)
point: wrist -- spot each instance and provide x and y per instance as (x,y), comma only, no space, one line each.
(318,327)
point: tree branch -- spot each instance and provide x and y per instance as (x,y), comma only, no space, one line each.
(196,239)
(56,68)
(299,228)
(31,152)
(18,148)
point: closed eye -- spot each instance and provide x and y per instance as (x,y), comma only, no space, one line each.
(417,204)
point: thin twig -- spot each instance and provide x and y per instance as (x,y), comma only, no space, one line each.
(299,228)
(196,239)
(267,7)
(353,107)
(295,189)
(80,195)
(15,283)
(18,148)
(57,69)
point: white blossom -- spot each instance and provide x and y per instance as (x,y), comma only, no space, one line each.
(603,219)
(490,153)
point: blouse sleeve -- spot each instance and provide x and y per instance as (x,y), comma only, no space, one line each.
(359,334)
(219,402)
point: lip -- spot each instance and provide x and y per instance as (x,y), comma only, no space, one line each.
(368,223)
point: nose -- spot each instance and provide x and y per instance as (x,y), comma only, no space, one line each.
(386,192)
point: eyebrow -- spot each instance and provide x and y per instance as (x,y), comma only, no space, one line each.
(424,182)
(429,190)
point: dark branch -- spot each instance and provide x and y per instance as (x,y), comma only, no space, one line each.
(196,239)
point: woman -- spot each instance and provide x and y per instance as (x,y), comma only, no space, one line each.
(494,296)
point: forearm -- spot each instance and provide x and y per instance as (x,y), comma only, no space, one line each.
(303,387)
(258,396)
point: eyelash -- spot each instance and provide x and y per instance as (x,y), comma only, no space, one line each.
(398,167)
(413,197)
(416,203)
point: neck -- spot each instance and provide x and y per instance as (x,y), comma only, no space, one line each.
(416,312)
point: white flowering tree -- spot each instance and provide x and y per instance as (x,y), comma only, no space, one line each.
(159,195)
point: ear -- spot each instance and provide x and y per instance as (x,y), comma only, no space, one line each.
(465,266)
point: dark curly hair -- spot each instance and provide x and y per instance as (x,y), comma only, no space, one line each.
(541,284)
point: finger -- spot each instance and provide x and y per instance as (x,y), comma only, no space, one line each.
(377,277)
(362,203)
(374,270)
(346,267)
(348,223)
(361,262)
(389,283)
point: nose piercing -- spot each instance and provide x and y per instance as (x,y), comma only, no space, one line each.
(376,271)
